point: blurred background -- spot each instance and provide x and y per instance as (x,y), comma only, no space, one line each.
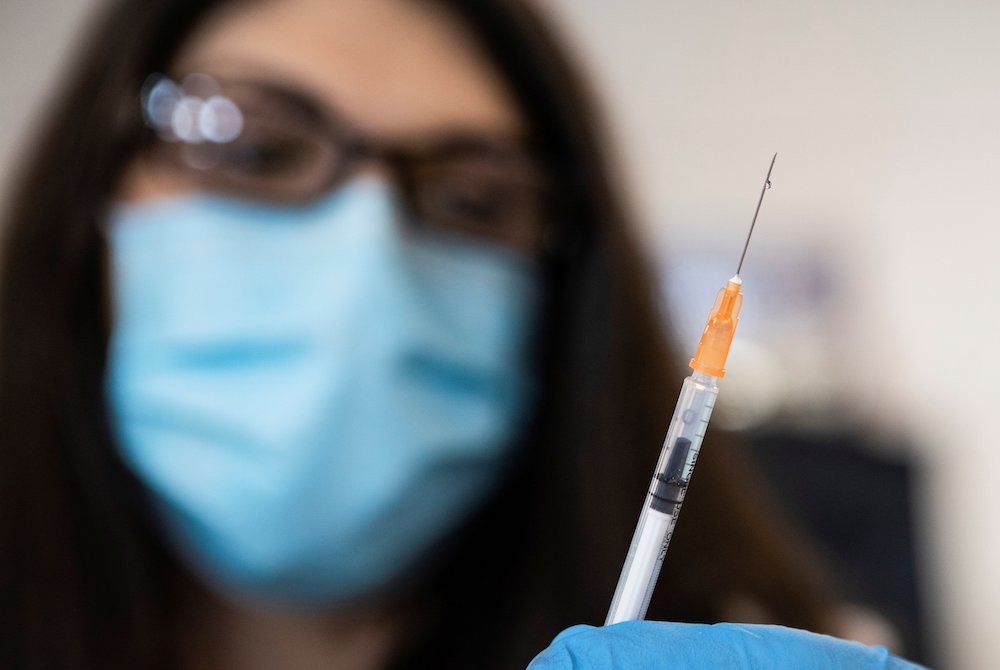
(865,365)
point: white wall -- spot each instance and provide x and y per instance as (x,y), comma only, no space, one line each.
(886,114)
(36,37)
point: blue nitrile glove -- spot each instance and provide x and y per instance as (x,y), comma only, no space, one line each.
(651,645)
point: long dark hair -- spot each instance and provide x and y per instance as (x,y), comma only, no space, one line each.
(83,581)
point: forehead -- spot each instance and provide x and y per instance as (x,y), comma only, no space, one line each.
(392,67)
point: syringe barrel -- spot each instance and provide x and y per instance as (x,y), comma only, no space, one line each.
(663,500)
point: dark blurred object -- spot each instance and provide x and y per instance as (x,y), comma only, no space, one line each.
(854,499)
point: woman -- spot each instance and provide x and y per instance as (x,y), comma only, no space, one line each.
(326,344)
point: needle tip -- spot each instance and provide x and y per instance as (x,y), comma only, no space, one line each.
(767,185)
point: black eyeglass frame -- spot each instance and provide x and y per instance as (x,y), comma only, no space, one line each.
(348,148)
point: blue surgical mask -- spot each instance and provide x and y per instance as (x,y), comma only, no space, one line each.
(314,396)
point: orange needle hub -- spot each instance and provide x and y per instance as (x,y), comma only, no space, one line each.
(718,334)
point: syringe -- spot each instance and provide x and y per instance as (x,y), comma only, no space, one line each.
(680,448)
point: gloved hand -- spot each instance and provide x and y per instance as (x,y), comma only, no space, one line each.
(651,645)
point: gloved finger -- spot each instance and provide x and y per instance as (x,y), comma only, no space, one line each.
(649,645)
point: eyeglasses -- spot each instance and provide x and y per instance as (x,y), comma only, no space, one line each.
(259,140)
